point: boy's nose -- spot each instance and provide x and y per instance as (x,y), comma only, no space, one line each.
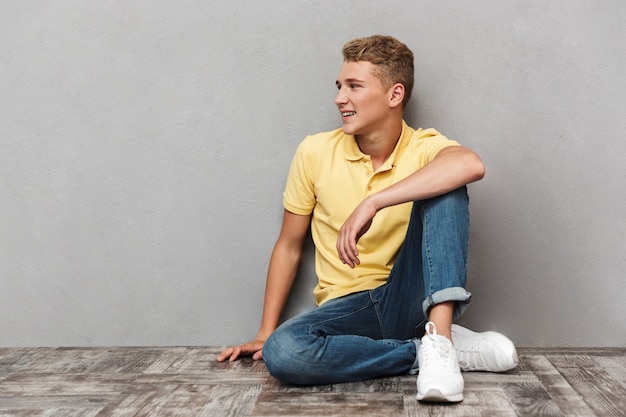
(340,98)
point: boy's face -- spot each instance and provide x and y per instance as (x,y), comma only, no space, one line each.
(362,99)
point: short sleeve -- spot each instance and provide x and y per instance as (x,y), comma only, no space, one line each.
(299,194)
(429,143)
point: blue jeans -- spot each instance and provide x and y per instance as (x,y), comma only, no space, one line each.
(376,333)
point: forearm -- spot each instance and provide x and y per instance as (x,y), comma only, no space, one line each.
(280,277)
(451,169)
(282,270)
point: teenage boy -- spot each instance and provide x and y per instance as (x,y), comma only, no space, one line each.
(388,211)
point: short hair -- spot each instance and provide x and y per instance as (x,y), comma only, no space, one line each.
(393,60)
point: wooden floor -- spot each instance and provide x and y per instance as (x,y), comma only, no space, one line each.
(187,381)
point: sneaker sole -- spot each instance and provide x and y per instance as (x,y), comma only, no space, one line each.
(436,395)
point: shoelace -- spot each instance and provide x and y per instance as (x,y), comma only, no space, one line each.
(438,349)
(431,331)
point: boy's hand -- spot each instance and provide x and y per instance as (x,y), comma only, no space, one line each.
(253,348)
(355,226)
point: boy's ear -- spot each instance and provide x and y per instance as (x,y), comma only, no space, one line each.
(397,95)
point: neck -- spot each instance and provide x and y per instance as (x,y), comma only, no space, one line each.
(380,145)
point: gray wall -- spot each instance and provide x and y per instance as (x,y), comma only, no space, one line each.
(144,148)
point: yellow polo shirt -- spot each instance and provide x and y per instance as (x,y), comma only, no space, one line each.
(329,177)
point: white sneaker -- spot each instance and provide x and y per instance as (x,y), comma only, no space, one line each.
(487,351)
(439,377)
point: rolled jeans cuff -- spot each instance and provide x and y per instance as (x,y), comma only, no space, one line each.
(458,294)
(415,367)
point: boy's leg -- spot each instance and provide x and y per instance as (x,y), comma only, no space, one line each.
(340,341)
(365,335)
(431,269)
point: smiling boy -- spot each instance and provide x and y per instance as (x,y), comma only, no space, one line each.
(388,211)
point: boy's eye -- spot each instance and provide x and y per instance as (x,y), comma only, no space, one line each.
(351,86)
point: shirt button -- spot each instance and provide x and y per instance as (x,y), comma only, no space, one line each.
(369,188)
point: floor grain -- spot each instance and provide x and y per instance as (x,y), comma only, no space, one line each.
(187,381)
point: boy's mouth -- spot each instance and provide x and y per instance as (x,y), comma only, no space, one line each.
(348,113)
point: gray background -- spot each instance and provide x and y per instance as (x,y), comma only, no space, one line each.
(145,144)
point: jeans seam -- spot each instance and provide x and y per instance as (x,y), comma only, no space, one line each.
(428,256)
(375,304)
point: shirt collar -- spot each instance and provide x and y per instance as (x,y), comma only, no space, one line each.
(353,153)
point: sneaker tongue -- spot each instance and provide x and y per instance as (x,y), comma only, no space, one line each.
(442,340)
(442,345)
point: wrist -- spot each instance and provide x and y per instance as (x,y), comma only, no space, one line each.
(263,334)
(375,201)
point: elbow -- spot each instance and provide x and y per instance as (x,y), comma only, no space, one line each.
(479,170)
(475,169)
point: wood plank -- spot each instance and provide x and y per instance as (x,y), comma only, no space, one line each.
(411,406)
(202,360)
(41,403)
(48,411)
(182,381)
(476,378)
(136,401)
(603,395)
(572,351)
(232,401)
(165,360)
(390,384)
(209,378)
(64,360)
(475,404)
(328,404)
(531,399)
(65,384)
(566,398)
(614,366)
(487,403)
(125,360)
(18,359)
(274,385)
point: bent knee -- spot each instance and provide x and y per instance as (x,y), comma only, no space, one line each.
(282,361)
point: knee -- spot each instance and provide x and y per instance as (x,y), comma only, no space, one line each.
(279,354)
(271,353)
(452,205)
(455,197)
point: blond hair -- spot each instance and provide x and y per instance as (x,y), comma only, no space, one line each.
(393,60)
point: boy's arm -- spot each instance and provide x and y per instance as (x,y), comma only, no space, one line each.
(452,168)
(280,277)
